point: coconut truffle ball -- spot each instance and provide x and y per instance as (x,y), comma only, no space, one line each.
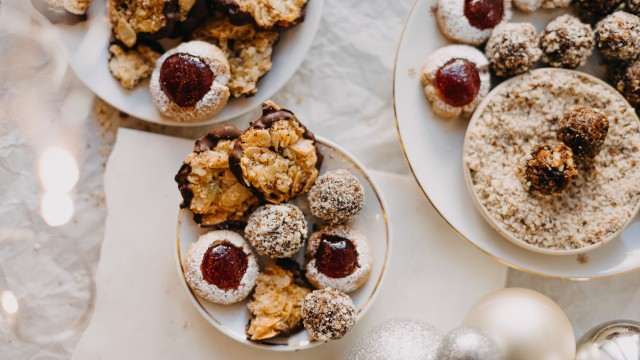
(189,82)
(567,42)
(597,8)
(328,314)
(626,78)
(336,197)
(550,168)
(584,130)
(471,21)
(513,49)
(455,79)
(618,36)
(277,231)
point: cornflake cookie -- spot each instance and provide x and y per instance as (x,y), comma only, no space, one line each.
(220,267)
(277,231)
(276,305)
(276,157)
(189,82)
(603,195)
(455,79)
(130,66)
(338,258)
(336,197)
(328,314)
(208,187)
(248,50)
(471,21)
(265,14)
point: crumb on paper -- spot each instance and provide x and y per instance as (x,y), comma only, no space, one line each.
(412,73)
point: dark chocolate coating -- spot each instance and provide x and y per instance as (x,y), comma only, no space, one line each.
(270,116)
(207,142)
(239,17)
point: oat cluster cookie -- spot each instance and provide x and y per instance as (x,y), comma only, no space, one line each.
(277,231)
(276,157)
(276,305)
(265,14)
(550,168)
(338,257)
(220,267)
(130,66)
(132,17)
(328,314)
(513,49)
(208,187)
(567,42)
(584,130)
(336,197)
(248,50)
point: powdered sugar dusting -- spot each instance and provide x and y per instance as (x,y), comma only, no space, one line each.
(193,274)
(213,101)
(347,283)
(455,25)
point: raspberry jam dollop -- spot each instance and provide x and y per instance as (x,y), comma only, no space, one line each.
(458,82)
(224,265)
(336,256)
(185,79)
(484,14)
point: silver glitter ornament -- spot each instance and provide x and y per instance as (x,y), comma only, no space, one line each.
(614,340)
(468,343)
(398,339)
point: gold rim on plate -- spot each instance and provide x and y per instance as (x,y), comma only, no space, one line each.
(415,177)
(360,312)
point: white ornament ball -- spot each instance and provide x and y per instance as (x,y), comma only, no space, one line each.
(467,343)
(525,324)
(398,339)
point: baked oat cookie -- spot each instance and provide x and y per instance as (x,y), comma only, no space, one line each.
(68,12)
(208,187)
(276,305)
(130,66)
(132,17)
(276,157)
(248,50)
(265,14)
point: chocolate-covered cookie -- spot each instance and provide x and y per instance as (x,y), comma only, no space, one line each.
(248,50)
(208,187)
(265,14)
(276,157)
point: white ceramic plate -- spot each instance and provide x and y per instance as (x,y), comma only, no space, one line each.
(433,147)
(373,221)
(87,45)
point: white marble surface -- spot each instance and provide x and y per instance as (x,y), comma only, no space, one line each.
(343,91)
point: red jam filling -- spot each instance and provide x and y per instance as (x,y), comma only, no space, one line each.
(458,82)
(224,265)
(185,79)
(484,14)
(336,256)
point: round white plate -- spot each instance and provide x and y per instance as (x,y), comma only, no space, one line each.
(433,147)
(87,44)
(372,221)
